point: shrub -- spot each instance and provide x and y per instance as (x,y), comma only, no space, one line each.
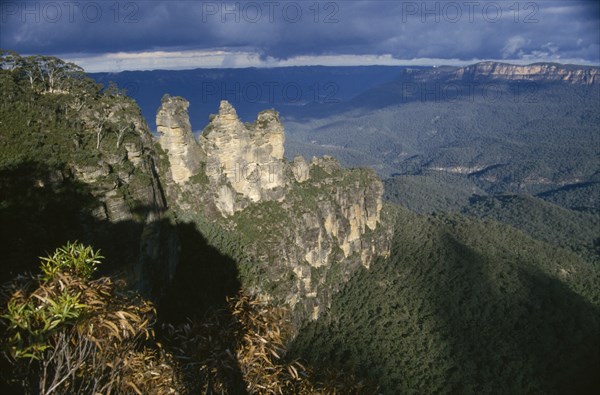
(242,349)
(68,334)
(74,258)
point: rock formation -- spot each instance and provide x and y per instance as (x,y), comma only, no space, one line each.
(127,198)
(307,226)
(229,207)
(300,169)
(248,157)
(173,124)
(496,71)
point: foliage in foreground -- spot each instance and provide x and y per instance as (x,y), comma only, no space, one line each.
(243,349)
(66,333)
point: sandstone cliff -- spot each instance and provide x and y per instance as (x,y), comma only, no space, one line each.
(304,227)
(249,158)
(94,179)
(173,125)
(130,202)
(225,212)
(547,72)
(504,72)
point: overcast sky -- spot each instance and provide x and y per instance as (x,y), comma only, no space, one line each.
(139,35)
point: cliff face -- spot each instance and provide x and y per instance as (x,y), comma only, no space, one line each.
(127,187)
(93,179)
(172,122)
(534,72)
(354,208)
(244,159)
(504,72)
(309,244)
(305,227)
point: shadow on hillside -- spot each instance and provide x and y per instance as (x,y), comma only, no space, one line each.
(541,335)
(439,316)
(203,280)
(41,209)
(35,216)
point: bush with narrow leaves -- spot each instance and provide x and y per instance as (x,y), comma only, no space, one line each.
(67,334)
(74,258)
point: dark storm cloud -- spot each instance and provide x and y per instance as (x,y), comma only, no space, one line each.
(277,29)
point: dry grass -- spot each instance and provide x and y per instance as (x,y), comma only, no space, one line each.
(243,349)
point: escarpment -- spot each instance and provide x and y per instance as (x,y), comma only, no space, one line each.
(304,226)
(130,205)
(532,72)
(505,72)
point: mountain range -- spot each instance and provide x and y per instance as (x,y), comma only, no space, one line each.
(506,128)
(471,268)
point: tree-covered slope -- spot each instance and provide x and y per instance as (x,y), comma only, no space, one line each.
(463,306)
(581,197)
(431,191)
(77,162)
(573,230)
(532,142)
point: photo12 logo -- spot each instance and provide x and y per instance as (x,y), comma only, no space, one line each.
(69,11)
(471,11)
(270,11)
(256,172)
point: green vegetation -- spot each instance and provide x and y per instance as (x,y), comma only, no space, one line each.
(73,258)
(576,231)
(52,112)
(64,332)
(533,142)
(258,219)
(200,178)
(262,228)
(498,295)
(431,192)
(463,306)
(573,230)
(581,197)
(65,165)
